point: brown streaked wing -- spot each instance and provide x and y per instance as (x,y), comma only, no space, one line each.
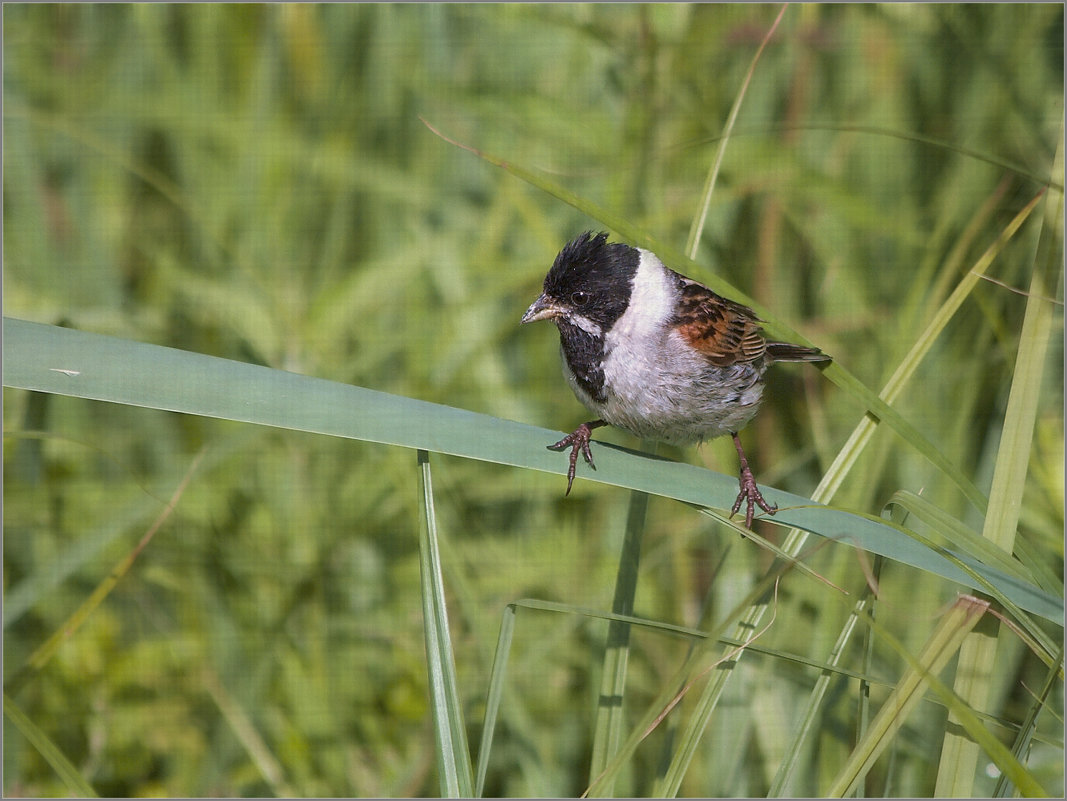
(724,331)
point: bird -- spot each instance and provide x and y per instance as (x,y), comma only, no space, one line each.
(655,353)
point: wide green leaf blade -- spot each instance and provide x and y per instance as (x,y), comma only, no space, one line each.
(60,360)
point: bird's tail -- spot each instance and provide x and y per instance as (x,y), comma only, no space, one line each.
(784,352)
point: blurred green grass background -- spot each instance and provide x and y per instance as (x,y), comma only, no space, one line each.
(254,182)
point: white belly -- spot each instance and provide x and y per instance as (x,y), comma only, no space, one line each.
(677,398)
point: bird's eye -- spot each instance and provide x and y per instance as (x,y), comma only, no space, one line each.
(579,298)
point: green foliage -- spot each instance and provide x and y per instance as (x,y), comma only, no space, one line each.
(255,183)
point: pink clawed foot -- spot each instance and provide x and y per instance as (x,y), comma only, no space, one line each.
(578,440)
(749,493)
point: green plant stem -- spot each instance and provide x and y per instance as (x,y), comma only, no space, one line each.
(452,752)
(608,728)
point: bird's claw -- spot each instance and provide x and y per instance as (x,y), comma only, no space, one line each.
(578,441)
(752,497)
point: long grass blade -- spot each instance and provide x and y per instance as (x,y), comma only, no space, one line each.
(713,173)
(691,733)
(49,750)
(494,695)
(453,754)
(244,729)
(67,362)
(977,664)
(942,645)
(809,720)
(700,661)
(1029,725)
(673,629)
(961,618)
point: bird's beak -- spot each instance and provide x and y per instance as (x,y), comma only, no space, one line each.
(544,308)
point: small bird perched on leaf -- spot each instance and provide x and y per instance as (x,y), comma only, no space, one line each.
(658,354)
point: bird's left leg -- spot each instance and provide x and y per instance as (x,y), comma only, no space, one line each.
(749,493)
